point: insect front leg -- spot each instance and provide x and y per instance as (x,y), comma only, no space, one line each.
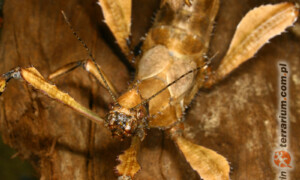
(89,66)
(34,78)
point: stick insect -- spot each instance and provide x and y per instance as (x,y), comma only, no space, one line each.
(142,107)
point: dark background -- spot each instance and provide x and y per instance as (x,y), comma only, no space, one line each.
(236,118)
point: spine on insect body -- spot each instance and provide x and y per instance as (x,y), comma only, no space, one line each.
(174,45)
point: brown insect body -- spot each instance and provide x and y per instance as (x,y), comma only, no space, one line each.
(180,40)
(175,45)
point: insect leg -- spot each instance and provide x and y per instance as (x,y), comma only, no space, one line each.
(65,69)
(89,66)
(255,29)
(117,15)
(208,163)
(34,78)
(129,166)
(91,56)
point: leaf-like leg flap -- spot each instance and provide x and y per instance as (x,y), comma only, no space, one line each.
(89,66)
(117,15)
(129,166)
(34,78)
(209,164)
(256,28)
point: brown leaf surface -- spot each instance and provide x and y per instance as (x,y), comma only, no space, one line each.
(236,118)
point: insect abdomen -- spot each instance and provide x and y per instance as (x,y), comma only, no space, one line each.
(174,46)
(186,31)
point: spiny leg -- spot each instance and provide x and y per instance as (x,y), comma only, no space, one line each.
(208,163)
(255,29)
(117,15)
(89,66)
(34,78)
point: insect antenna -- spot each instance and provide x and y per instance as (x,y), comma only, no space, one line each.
(91,56)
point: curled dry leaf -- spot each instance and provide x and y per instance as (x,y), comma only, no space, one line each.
(209,164)
(255,29)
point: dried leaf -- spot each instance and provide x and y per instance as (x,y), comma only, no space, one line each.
(209,164)
(117,15)
(255,29)
(129,165)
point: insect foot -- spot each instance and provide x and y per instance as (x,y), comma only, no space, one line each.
(13,74)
